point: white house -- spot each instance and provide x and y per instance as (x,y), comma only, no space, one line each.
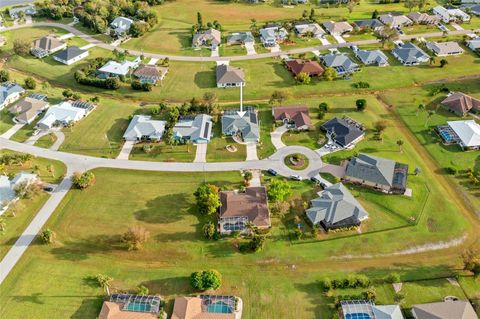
(9,93)
(114,68)
(450,15)
(121,25)
(61,114)
(142,128)
(445,48)
(28,10)
(8,188)
(70,55)
(468,133)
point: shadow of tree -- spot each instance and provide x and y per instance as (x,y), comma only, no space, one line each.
(82,248)
(163,209)
(323,305)
(33,298)
(205,79)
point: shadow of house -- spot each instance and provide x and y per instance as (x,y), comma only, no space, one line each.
(323,304)
(89,308)
(205,79)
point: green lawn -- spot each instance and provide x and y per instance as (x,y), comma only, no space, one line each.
(303,138)
(265,148)
(164,153)
(25,132)
(5,121)
(217,151)
(46,141)
(429,291)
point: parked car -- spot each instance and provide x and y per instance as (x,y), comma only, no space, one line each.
(315,180)
(323,185)
(48,189)
(272,172)
(296,177)
(35,133)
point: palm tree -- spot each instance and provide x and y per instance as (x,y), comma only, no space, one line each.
(104,282)
(431,60)
(429,115)
(400,144)
(3,225)
(420,108)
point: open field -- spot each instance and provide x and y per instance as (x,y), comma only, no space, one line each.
(164,153)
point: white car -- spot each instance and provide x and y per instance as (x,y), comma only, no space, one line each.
(296,177)
(35,133)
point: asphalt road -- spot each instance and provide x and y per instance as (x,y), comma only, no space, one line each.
(6,3)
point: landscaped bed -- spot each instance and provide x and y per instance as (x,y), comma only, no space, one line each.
(296,162)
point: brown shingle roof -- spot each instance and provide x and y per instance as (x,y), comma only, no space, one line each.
(112,310)
(150,71)
(251,204)
(445,310)
(48,43)
(461,103)
(312,68)
(191,308)
(27,109)
(297,113)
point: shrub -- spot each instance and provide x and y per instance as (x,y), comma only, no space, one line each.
(393,278)
(278,190)
(135,237)
(137,85)
(208,199)
(326,284)
(48,236)
(83,180)
(323,107)
(297,234)
(4,76)
(450,170)
(21,47)
(204,280)
(30,83)
(361,104)
(361,85)
(209,230)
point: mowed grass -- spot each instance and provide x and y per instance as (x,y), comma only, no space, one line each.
(217,147)
(46,141)
(164,153)
(6,121)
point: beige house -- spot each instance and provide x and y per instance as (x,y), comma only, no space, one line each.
(207,307)
(28,109)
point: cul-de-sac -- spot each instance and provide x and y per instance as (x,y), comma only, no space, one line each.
(240,159)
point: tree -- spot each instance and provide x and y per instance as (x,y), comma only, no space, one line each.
(28,190)
(30,83)
(387,35)
(380,126)
(312,14)
(83,180)
(199,20)
(278,97)
(323,107)
(67,93)
(206,279)
(361,104)
(21,47)
(303,78)
(247,177)
(48,236)
(471,261)
(410,4)
(420,108)
(209,100)
(400,145)
(392,278)
(278,190)
(208,199)
(443,62)
(142,290)
(431,60)
(330,74)
(350,5)
(135,237)
(370,294)
(209,230)
(280,208)
(4,76)
(375,14)
(104,282)
(138,28)
(430,113)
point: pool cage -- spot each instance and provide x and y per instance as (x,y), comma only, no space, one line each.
(137,303)
(357,309)
(218,304)
(229,224)
(448,135)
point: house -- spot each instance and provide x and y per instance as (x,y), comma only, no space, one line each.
(450,15)
(445,48)
(70,55)
(444,310)
(409,54)
(367,309)
(9,93)
(8,188)
(474,44)
(143,128)
(470,1)
(62,114)
(121,26)
(271,36)
(295,116)
(471,8)
(375,57)
(309,29)
(28,10)
(241,38)
(114,68)
(127,306)
(337,28)
(460,103)
(341,62)
(395,21)
(150,73)
(464,133)
(373,24)
(244,124)
(198,130)
(377,172)
(229,76)
(335,208)
(311,68)
(47,45)
(28,109)
(240,208)
(345,132)
(210,38)
(207,307)
(424,18)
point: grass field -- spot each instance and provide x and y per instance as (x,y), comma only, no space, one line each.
(303,138)
(46,141)
(217,151)
(164,153)
(5,121)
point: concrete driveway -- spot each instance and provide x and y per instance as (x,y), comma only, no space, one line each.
(252,152)
(126,149)
(14,129)
(201,153)
(215,52)
(323,40)
(276,137)
(339,39)
(250,48)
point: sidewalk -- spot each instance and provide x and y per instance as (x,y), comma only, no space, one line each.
(201,153)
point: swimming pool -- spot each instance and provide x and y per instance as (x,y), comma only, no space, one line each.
(219,307)
(358,315)
(137,307)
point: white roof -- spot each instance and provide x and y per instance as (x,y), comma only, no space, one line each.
(387,312)
(114,67)
(23,177)
(143,125)
(63,112)
(468,132)
(6,191)
(122,23)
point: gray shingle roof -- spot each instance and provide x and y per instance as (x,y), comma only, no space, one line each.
(229,74)
(199,128)
(247,125)
(241,37)
(372,57)
(409,53)
(7,89)
(339,61)
(143,125)
(371,23)
(445,310)
(344,132)
(69,53)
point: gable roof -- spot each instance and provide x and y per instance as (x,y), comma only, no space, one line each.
(387,312)
(198,128)
(28,108)
(315,28)
(252,204)
(372,57)
(69,53)
(143,125)
(151,71)
(335,205)
(468,132)
(121,24)
(191,308)
(113,310)
(7,89)
(229,74)
(339,60)
(445,310)
(63,112)
(423,17)
(474,44)
(410,53)
(345,133)
(297,113)
(371,23)
(48,43)
(308,67)
(273,33)
(242,37)
(337,27)
(247,125)
(445,48)
(211,34)
(119,68)
(395,21)
(461,103)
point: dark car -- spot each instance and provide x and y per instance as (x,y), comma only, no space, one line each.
(48,189)
(323,185)
(272,172)
(315,180)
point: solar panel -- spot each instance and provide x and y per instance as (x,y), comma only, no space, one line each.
(207,128)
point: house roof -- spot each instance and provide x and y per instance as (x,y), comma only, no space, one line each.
(387,312)
(48,43)
(7,89)
(315,28)
(445,48)
(336,60)
(28,9)
(337,27)
(445,310)
(308,67)
(372,57)
(335,205)
(252,204)
(198,128)
(229,74)
(345,133)
(113,310)
(461,103)
(371,23)
(473,8)
(69,53)
(394,21)
(211,34)
(247,125)
(474,44)
(410,53)
(7,187)
(297,113)
(243,37)
(143,125)
(63,112)
(449,13)
(191,308)
(151,71)
(121,24)
(423,17)
(468,132)
(273,33)
(119,68)
(28,108)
